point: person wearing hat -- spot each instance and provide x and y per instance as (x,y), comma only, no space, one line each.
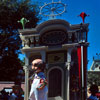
(39,88)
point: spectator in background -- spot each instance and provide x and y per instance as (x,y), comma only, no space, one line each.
(4,95)
(16,93)
(93,90)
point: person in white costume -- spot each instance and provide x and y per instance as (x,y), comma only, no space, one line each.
(39,88)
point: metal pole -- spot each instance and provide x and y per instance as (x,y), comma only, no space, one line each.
(82,70)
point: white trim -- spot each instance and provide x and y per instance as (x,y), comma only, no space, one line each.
(62,71)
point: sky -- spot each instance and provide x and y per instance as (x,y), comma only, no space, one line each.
(74,8)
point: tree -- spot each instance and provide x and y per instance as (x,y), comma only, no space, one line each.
(93,77)
(10,43)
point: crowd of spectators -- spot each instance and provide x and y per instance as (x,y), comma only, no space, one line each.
(15,94)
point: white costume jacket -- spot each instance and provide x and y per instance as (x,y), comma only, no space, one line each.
(36,94)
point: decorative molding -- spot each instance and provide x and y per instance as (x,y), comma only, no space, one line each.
(68,65)
(26,68)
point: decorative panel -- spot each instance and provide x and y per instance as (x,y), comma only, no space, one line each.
(56,57)
(54,37)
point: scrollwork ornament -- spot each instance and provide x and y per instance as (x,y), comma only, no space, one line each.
(26,68)
(68,65)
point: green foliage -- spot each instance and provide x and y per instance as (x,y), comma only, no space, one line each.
(11,12)
(93,77)
(10,43)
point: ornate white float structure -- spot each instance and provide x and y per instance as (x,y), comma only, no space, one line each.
(64,49)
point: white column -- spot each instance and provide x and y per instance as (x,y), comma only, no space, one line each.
(43,54)
(26,68)
(68,72)
(26,96)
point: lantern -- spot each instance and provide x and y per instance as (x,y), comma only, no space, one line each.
(82,34)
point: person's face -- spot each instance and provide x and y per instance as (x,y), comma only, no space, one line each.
(34,67)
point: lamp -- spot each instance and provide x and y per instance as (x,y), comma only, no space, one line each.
(82,34)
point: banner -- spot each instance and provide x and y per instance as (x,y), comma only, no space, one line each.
(79,64)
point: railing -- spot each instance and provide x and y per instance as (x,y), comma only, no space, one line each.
(29,41)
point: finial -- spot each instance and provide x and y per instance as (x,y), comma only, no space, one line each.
(83,15)
(23,21)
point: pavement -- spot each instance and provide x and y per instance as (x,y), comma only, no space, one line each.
(55,98)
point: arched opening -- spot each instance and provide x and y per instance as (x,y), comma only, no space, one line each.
(55,77)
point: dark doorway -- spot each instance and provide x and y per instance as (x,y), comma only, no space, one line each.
(55,83)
